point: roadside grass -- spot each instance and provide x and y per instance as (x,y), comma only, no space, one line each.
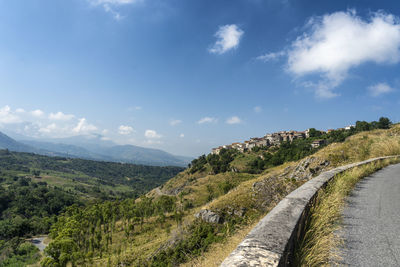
(217,252)
(319,247)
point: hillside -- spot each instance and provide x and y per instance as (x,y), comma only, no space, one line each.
(7,142)
(97,149)
(34,189)
(199,216)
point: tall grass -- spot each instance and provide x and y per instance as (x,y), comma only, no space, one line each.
(319,245)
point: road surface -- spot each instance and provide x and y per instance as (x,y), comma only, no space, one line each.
(371,221)
(38,242)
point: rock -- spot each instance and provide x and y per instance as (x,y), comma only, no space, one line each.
(240,212)
(208,216)
(308,168)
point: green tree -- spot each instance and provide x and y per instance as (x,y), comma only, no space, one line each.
(384,123)
(314,133)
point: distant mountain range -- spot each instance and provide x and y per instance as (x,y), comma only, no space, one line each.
(94,148)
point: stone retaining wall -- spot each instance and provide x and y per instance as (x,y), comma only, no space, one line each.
(272,241)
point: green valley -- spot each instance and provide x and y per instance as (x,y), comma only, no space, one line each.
(34,189)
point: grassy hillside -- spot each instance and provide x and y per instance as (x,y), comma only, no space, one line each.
(236,189)
(34,189)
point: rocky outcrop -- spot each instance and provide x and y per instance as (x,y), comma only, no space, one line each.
(208,216)
(306,169)
(272,189)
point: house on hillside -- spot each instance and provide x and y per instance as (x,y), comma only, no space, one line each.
(298,135)
(274,139)
(216,150)
(307,133)
(239,146)
(259,141)
(318,143)
(251,144)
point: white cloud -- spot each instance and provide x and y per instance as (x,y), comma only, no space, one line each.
(37,113)
(116,15)
(207,120)
(151,134)
(59,116)
(109,6)
(380,89)
(125,130)
(271,56)
(49,128)
(233,120)
(228,37)
(175,122)
(337,42)
(36,124)
(257,109)
(7,116)
(181,135)
(83,127)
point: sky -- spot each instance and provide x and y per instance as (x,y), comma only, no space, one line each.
(185,76)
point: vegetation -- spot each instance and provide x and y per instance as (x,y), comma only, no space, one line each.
(23,253)
(267,157)
(318,246)
(35,189)
(82,234)
(27,209)
(160,229)
(201,236)
(139,178)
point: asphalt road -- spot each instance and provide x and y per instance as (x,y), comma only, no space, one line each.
(371,225)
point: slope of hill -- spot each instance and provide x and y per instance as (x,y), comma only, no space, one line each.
(7,142)
(34,189)
(72,151)
(141,155)
(199,216)
(98,149)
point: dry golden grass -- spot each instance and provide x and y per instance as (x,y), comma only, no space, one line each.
(320,243)
(219,251)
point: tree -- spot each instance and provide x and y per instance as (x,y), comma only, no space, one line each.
(384,123)
(314,133)
(362,126)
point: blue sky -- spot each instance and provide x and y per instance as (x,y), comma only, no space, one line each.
(186,75)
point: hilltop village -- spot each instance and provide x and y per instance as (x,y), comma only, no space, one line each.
(275,139)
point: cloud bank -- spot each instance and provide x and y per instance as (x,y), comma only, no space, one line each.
(36,123)
(151,134)
(335,43)
(125,130)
